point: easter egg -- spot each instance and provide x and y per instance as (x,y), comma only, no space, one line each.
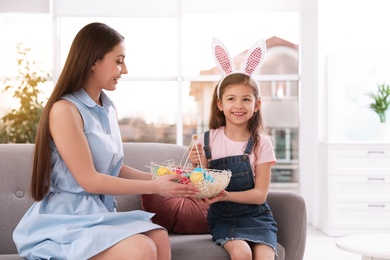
(209,178)
(196,177)
(178,171)
(163,171)
(199,169)
(185,180)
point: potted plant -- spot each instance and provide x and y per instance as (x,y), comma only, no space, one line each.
(20,124)
(381,101)
(380,104)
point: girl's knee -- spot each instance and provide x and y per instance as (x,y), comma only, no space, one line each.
(265,252)
(238,250)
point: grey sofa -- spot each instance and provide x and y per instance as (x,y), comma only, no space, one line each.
(15,167)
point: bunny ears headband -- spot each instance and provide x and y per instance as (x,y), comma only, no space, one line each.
(253,59)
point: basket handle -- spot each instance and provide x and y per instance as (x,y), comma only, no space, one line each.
(192,145)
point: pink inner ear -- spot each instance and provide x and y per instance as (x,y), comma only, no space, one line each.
(223,59)
(253,60)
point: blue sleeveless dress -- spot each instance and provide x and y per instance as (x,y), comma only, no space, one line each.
(237,221)
(70,223)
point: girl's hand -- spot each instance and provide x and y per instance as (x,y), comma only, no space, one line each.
(166,186)
(195,153)
(219,197)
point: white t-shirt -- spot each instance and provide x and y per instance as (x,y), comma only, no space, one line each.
(221,146)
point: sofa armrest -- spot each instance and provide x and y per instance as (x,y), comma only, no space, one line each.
(289,210)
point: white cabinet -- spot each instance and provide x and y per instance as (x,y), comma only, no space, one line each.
(354,188)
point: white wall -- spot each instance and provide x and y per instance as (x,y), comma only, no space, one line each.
(346,28)
(354,32)
(308,102)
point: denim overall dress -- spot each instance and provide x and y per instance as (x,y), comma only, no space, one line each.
(237,221)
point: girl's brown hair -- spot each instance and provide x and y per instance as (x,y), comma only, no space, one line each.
(217,117)
(91,43)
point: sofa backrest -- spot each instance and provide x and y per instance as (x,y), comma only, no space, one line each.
(15,172)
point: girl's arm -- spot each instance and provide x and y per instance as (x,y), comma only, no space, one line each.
(66,128)
(257,195)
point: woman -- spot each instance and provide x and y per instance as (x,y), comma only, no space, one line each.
(78,166)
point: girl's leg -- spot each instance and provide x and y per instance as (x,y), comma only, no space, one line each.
(238,250)
(138,246)
(263,252)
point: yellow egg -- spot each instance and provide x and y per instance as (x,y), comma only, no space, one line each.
(196,177)
(163,171)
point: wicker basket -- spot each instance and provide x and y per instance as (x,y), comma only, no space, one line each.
(208,181)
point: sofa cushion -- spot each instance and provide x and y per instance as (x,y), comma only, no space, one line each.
(203,247)
(177,215)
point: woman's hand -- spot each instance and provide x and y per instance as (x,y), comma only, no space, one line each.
(219,197)
(168,187)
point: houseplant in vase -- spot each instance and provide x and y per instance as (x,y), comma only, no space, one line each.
(380,105)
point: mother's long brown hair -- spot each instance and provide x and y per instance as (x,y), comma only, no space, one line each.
(91,43)
(217,117)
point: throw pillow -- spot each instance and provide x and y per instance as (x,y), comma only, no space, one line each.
(177,215)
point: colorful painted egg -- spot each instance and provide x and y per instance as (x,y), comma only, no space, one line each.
(199,169)
(163,171)
(209,178)
(196,177)
(185,180)
(178,171)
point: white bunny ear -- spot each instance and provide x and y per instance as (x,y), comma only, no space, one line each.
(222,56)
(254,56)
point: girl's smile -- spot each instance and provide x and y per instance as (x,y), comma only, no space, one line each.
(238,104)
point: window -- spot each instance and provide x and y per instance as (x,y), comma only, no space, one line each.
(166,95)
(32,31)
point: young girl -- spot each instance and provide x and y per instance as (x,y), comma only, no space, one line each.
(239,217)
(78,166)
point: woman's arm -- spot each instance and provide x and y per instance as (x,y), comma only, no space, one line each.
(66,128)
(128,172)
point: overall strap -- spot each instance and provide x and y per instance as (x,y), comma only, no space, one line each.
(249,146)
(206,147)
